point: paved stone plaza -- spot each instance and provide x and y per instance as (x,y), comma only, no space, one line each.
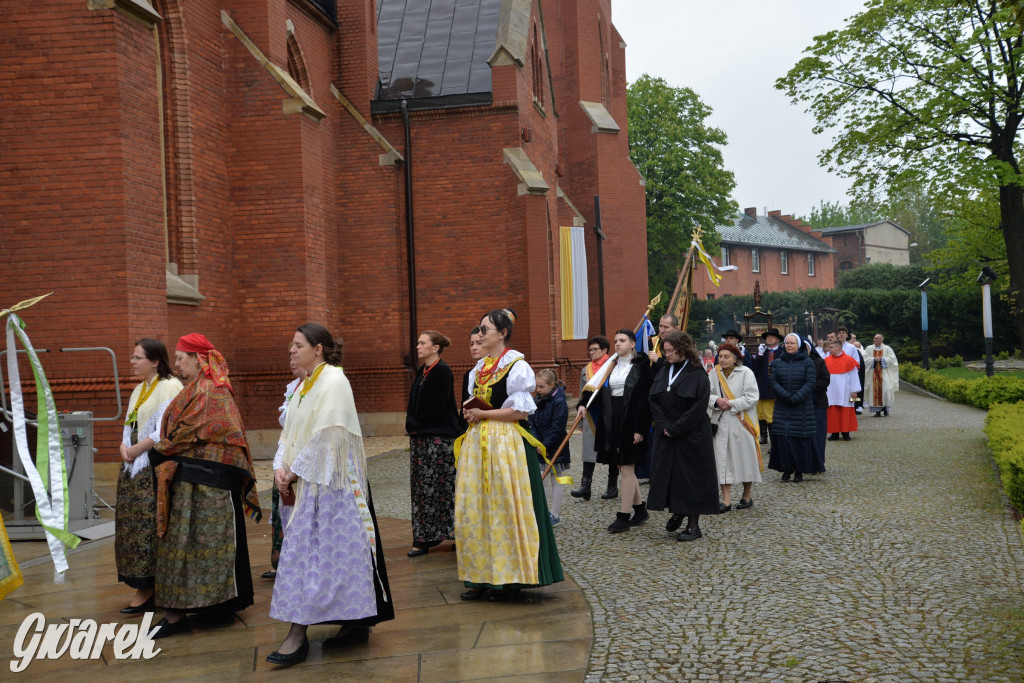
(902,562)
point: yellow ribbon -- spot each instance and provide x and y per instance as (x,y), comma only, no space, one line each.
(752,427)
(530,439)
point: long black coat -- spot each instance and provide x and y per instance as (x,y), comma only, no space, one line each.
(684,478)
(636,415)
(793,380)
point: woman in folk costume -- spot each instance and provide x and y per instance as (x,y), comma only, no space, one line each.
(135,519)
(277,535)
(842,392)
(331,568)
(503,529)
(734,409)
(204,482)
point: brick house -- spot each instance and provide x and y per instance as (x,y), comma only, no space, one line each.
(856,245)
(779,251)
(239,167)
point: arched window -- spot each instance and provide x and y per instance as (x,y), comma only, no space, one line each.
(296,65)
(537,68)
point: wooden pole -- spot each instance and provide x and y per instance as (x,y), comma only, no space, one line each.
(679,282)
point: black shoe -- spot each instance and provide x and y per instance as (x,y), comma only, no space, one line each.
(139,609)
(416,552)
(798,478)
(722,507)
(744,504)
(473,594)
(165,628)
(583,491)
(611,492)
(689,534)
(846,437)
(877,414)
(786,476)
(640,515)
(764,438)
(620,524)
(674,522)
(296,657)
(885,411)
(833,437)
(502,595)
(272,574)
(355,636)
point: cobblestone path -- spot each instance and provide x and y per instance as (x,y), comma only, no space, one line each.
(900,563)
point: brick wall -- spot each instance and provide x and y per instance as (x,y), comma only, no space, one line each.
(282,219)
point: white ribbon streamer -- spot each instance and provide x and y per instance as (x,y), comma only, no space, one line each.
(50,506)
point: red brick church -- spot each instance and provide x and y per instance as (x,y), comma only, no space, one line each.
(239,167)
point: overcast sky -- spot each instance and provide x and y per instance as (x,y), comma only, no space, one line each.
(730,54)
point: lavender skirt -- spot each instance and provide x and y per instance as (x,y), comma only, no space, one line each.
(326,572)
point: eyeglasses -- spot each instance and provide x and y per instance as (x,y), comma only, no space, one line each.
(484,329)
(595,349)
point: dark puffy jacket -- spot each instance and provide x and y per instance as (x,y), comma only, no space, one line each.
(792,380)
(548,423)
(824,379)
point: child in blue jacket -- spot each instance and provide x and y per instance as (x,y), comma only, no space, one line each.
(548,424)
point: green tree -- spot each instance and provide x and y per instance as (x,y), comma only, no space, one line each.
(835,214)
(882,276)
(680,158)
(925,93)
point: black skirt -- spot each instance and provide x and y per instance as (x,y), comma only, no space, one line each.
(623,451)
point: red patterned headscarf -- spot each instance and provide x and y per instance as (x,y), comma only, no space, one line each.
(211,362)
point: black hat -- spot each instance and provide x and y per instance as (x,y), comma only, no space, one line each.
(771,331)
(732,333)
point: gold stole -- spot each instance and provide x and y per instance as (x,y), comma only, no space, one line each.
(876,373)
(745,420)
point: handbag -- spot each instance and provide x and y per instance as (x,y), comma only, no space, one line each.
(714,423)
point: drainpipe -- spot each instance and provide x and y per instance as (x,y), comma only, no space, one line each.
(600,260)
(409,238)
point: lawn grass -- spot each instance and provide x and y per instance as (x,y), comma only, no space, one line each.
(964,373)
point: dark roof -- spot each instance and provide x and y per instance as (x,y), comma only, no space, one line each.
(853,228)
(766,231)
(435,52)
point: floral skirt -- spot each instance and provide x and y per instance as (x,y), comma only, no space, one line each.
(135,528)
(202,562)
(432,484)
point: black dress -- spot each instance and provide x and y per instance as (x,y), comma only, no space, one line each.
(620,417)
(684,477)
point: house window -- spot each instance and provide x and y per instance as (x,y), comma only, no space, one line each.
(711,297)
(810,265)
(846,265)
(755,261)
(725,256)
(784,262)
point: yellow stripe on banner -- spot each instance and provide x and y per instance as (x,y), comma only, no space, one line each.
(565,277)
(10,574)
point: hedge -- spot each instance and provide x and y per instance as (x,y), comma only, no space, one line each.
(980,393)
(1003,425)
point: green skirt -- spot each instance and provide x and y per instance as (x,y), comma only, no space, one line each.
(549,569)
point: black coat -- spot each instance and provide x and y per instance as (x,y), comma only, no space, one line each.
(548,423)
(636,416)
(763,370)
(822,381)
(793,381)
(431,410)
(684,477)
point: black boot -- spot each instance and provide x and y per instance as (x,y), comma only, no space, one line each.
(583,491)
(764,431)
(613,483)
(640,514)
(620,524)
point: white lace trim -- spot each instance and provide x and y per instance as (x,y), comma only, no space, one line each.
(152,430)
(327,457)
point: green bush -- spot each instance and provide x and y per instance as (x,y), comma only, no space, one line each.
(1003,425)
(944,362)
(980,393)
